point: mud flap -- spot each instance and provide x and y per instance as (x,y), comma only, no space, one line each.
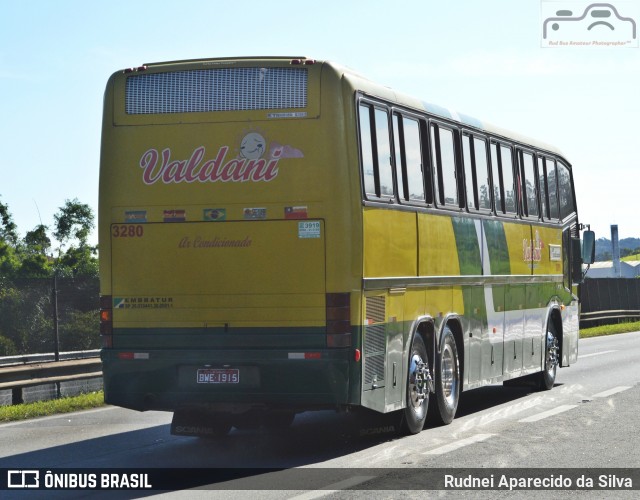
(200,424)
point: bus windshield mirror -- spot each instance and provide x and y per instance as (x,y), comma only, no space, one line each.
(588,247)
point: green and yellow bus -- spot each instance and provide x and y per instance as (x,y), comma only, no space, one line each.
(280,235)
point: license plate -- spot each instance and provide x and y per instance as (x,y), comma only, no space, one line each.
(218,376)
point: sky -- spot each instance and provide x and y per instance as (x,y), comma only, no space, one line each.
(481,58)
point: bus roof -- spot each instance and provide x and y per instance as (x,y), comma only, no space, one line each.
(362,83)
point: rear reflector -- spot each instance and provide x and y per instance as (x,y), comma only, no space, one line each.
(305,355)
(133,355)
(106,320)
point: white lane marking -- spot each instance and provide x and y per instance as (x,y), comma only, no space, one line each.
(549,413)
(582,356)
(458,444)
(334,488)
(610,392)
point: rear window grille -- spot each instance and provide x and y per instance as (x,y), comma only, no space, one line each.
(222,89)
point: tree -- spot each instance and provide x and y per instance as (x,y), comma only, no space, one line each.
(37,241)
(36,262)
(9,260)
(26,268)
(8,229)
(74,221)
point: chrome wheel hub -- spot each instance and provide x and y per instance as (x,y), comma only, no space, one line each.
(449,374)
(551,361)
(419,381)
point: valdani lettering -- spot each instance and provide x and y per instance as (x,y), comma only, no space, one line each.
(159,167)
(254,164)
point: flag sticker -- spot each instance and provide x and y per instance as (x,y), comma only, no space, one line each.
(214,214)
(254,213)
(295,212)
(174,215)
(135,216)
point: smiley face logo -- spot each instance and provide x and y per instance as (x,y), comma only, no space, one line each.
(253,146)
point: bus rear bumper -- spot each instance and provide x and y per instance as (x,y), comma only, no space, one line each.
(226,381)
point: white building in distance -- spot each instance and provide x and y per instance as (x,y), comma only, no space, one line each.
(628,269)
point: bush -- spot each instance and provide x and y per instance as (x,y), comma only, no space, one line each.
(7,347)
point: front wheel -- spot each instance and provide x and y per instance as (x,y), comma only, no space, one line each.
(445,403)
(547,377)
(418,379)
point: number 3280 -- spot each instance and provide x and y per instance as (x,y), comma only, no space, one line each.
(127,231)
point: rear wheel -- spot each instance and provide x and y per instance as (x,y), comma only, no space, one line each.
(547,377)
(418,378)
(447,380)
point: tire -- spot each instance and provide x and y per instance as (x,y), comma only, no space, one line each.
(418,378)
(547,377)
(447,380)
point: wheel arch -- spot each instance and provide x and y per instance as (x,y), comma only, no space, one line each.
(554,317)
(425,327)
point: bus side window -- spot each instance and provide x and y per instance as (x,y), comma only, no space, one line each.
(469,172)
(413,157)
(542,182)
(529,184)
(565,190)
(366,145)
(385,174)
(482,174)
(552,185)
(442,145)
(506,163)
(376,152)
(497,182)
(406,132)
(399,149)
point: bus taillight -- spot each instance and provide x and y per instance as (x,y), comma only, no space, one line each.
(106,320)
(338,320)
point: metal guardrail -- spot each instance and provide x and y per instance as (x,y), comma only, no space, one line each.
(18,376)
(43,358)
(606,315)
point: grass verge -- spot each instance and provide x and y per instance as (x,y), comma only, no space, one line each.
(51,407)
(598,331)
